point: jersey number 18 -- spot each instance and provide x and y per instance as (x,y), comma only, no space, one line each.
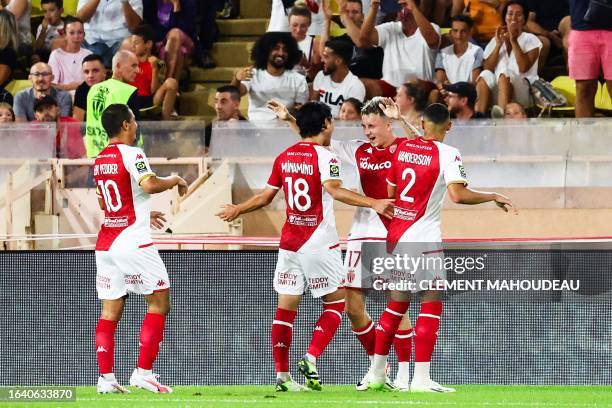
(297,194)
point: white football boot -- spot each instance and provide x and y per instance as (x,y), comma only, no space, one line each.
(148,382)
(106,386)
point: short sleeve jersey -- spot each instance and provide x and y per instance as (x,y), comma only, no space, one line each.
(118,171)
(421,170)
(301,171)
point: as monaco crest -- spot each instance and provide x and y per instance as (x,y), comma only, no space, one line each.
(350,277)
(99,102)
(392,148)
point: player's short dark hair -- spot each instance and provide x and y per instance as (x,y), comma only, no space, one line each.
(58,3)
(520,3)
(266,43)
(300,11)
(72,20)
(437,114)
(232,90)
(114,116)
(311,118)
(343,49)
(416,92)
(372,107)
(357,104)
(145,32)
(463,18)
(93,57)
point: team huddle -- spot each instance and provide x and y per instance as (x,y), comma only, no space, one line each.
(402,182)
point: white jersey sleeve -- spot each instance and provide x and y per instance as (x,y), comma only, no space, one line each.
(137,164)
(346,150)
(329,165)
(451,165)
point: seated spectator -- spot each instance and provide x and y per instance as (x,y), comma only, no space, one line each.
(409,45)
(336,83)
(8,47)
(351,109)
(514,111)
(511,62)
(22,10)
(175,29)
(42,77)
(6,113)
(544,19)
(51,29)
(486,15)
(94,72)
(273,55)
(460,99)
(281,9)
(310,62)
(68,139)
(412,101)
(150,91)
(227,109)
(66,62)
(462,61)
(107,23)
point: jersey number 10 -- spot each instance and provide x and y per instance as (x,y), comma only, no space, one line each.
(105,189)
(297,194)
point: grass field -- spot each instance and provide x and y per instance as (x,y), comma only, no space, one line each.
(344,396)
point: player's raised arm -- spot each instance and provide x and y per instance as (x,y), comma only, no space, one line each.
(461,194)
(392,111)
(282,113)
(383,207)
(229,212)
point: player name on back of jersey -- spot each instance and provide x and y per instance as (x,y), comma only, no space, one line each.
(106,168)
(302,168)
(414,158)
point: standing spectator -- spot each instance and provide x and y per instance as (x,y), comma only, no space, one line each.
(173,22)
(22,10)
(436,10)
(411,100)
(462,61)
(336,83)
(273,55)
(460,99)
(511,62)
(208,32)
(590,53)
(107,23)
(68,139)
(351,109)
(544,19)
(94,72)
(281,9)
(51,28)
(42,77)
(66,62)
(114,90)
(150,91)
(227,109)
(8,48)
(409,45)
(514,111)
(299,21)
(6,113)
(486,15)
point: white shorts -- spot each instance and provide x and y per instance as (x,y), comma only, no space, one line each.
(520,86)
(138,271)
(320,271)
(357,276)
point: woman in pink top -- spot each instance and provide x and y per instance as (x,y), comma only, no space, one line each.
(66,62)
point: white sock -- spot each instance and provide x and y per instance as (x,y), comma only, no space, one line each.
(371,357)
(109,377)
(421,372)
(379,366)
(142,371)
(311,358)
(403,372)
(283,375)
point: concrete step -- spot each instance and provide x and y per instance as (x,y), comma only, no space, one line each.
(232,54)
(243,27)
(219,74)
(255,8)
(201,103)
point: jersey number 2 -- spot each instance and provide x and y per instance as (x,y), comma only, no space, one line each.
(404,195)
(297,194)
(105,188)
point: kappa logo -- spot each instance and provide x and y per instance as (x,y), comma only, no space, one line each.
(280,345)
(379,327)
(101,349)
(333,161)
(139,157)
(457,158)
(369,150)
(161,283)
(319,328)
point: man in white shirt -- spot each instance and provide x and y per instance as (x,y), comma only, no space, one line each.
(409,43)
(335,84)
(271,77)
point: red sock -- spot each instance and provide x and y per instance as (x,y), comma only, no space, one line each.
(387,326)
(105,345)
(326,327)
(151,334)
(426,331)
(367,337)
(402,343)
(282,328)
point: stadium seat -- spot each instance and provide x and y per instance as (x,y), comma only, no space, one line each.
(602,98)
(567,87)
(17,85)
(445,30)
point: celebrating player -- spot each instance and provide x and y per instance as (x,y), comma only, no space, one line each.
(422,170)
(126,259)
(309,249)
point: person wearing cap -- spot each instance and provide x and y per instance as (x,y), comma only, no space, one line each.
(68,140)
(461,99)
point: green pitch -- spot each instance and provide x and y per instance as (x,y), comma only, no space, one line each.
(345,396)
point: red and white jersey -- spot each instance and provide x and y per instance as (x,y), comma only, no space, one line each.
(372,165)
(421,170)
(301,171)
(118,171)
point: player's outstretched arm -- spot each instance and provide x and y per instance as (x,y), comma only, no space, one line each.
(383,207)
(154,184)
(281,112)
(229,212)
(392,111)
(460,194)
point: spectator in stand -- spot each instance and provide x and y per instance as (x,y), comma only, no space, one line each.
(107,23)
(514,111)
(22,10)
(365,62)
(412,101)
(150,91)
(590,52)
(8,49)
(6,113)
(460,99)
(351,109)
(42,78)
(281,9)
(94,72)
(175,28)
(274,55)
(68,139)
(462,61)
(50,30)
(208,32)
(486,15)
(66,62)
(409,44)
(436,10)
(336,83)
(511,62)
(310,62)
(544,19)
(227,109)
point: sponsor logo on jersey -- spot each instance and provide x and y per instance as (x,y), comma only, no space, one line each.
(160,283)
(280,345)
(457,158)
(414,158)
(379,327)
(307,154)
(116,222)
(365,164)
(402,214)
(318,283)
(303,168)
(302,220)
(141,167)
(319,328)
(462,171)
(286,279)
(101,349)
(139,157)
